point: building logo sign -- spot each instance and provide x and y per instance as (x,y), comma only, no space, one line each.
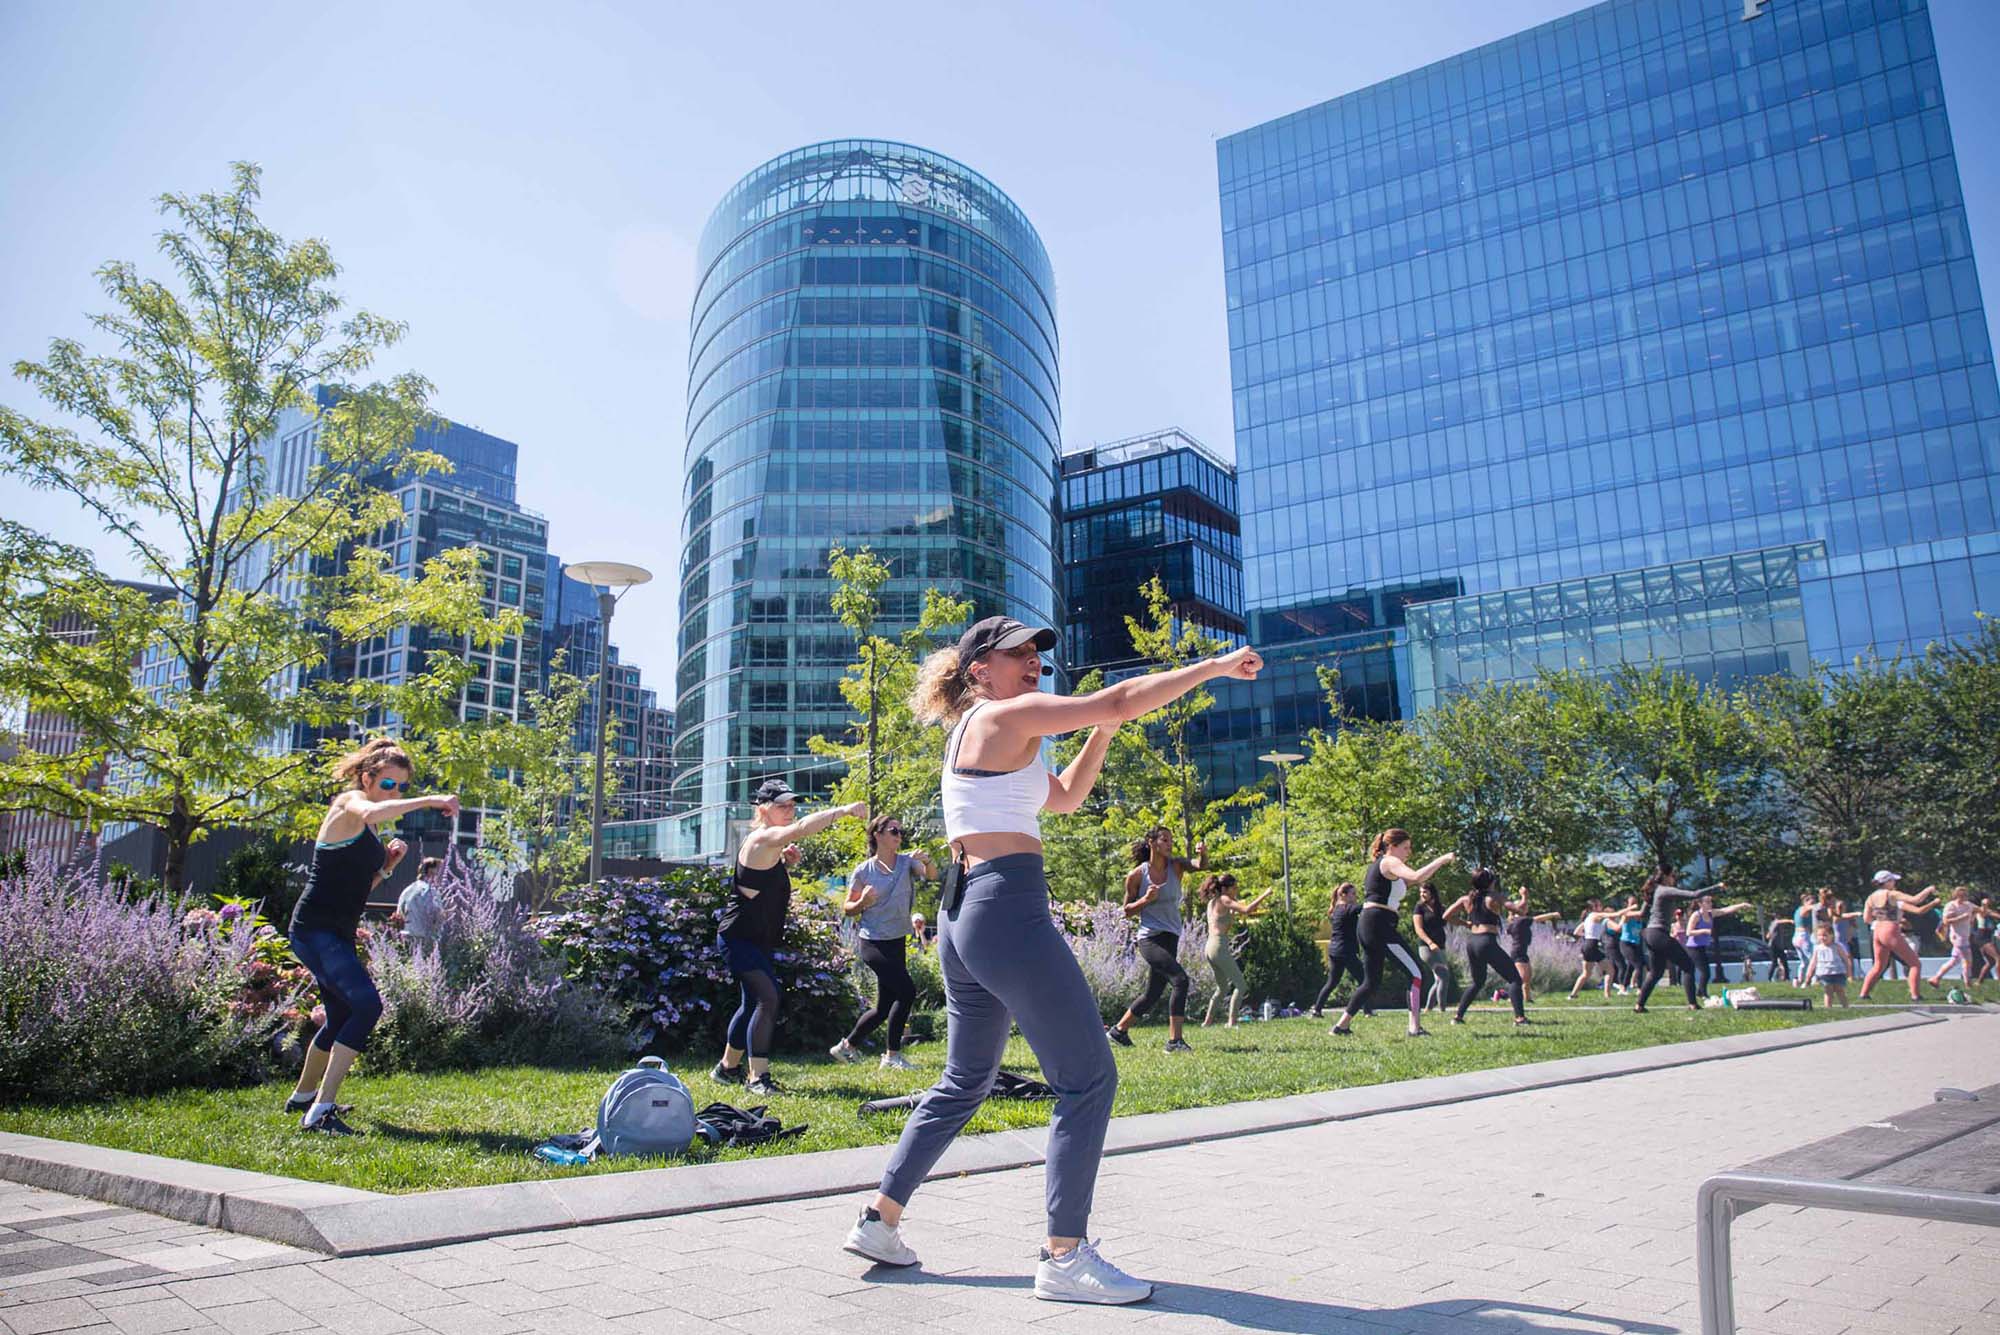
(937,195)
(1752,8)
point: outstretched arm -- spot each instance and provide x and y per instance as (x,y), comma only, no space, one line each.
(1401,870)
(769,840)
(1039,715)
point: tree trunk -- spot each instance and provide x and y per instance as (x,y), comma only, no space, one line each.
(871,731)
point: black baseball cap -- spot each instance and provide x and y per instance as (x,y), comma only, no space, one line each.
(773,790)
(994,634)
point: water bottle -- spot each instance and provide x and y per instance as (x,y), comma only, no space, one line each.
(1270,1009)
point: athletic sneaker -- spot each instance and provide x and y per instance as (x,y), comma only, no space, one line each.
(329,1124)
(726,1075)
(877,1241)
(303,1104)
(844,1051)
(1118,1036)
(1178,1045)
(896,1061)
(1082,1276)
(763,1085)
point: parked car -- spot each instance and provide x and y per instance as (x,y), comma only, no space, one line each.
(1750,956)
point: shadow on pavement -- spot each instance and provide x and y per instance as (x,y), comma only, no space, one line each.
(1259,1311)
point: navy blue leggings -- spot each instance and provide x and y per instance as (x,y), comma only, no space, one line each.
(353,1006)
(756,1017)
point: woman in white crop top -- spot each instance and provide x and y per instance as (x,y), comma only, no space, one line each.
(1004,962)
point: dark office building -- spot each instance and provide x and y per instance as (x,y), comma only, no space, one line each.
(1651,333)
(1158,504)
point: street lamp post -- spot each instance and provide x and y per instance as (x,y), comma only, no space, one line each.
(1284,760)
(610,579)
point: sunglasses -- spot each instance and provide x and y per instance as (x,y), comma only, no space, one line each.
(391,785)
(896,830)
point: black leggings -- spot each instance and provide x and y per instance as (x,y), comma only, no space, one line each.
(1483,951)
(1704,967)
(895,992)
(1664,950)
(1162,955)
(1337,967)
(1380,938)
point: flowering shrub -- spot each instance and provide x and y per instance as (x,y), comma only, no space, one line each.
(102,994)
(1105,943)
(488,993)
(649,946)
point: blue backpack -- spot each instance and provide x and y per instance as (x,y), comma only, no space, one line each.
(647,1110)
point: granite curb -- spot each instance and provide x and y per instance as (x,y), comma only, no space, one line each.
(343,1221)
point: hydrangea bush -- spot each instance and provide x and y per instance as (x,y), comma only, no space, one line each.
(102,995)
(487,993)
(648,945)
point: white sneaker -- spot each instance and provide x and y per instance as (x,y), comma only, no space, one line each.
(1082,1276)
(875,1240)
(844,1051)
(896,1061)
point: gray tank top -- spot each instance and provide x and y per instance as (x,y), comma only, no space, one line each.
(1162,917)
(889,916)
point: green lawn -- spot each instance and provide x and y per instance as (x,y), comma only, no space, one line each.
(456,1130)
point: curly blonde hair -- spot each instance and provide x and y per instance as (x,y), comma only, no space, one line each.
(942,694)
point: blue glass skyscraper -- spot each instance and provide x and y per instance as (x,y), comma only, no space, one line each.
(873,360)
(1650,333)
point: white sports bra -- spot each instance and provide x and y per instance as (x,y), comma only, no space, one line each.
(1593,929)
(984,801)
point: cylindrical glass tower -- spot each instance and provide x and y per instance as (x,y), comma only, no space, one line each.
(872,360)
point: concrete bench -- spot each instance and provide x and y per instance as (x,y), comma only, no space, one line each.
(1937,1162)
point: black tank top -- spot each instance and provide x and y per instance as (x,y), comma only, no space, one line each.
(1481,913)
(1433,921)
(1375,885)
(758,920)
(338,880)
(1520,930)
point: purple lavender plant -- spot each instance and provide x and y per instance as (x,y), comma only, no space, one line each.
(103,995)
(488,993)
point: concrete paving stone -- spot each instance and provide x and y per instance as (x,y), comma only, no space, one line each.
(606,1302)
(157,1317)
(219,1291)
(364,1318)
(264,1317)
(469,1319)
(57,1315)
(503,1295)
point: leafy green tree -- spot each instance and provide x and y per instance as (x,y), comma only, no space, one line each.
(1168,641)
(1958,823)
(1508,781)
(539,828)
(859,577)
(1357,780)
(1677,762)
(172,461)
(908,756)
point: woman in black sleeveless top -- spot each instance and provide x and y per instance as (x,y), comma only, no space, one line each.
(752,926)
(1382,890)
(1483,950)
(348,861)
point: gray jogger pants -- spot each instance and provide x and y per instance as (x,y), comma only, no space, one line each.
(1004,961)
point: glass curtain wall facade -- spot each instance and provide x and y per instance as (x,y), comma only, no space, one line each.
(1158,504)
(1646,286)
(873,360)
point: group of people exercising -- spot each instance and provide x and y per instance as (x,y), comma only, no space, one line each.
(1003,960)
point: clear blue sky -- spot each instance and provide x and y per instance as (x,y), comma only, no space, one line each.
(524,185)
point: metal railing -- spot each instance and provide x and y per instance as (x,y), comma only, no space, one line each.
(1716,1208)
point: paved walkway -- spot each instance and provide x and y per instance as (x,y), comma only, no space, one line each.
(1568,1209)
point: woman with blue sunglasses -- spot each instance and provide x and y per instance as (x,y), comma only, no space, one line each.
(348,861)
